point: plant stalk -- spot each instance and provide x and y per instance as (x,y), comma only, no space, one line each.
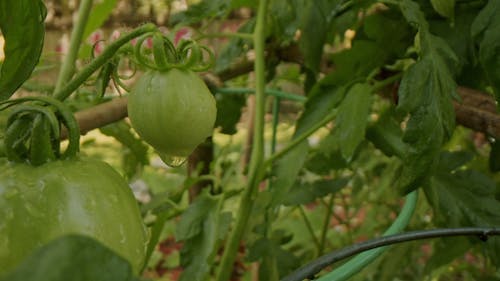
(68,66)
(326,224)
(99,61)
(255,171)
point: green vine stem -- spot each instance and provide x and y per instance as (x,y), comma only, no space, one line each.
(271,92)
(99,61)
(68,66)
(309,226)
(246,36)
(326,224)
(255,167)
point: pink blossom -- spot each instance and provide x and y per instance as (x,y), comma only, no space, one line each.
(183,33)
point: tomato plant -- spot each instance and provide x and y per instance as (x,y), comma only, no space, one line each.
(336,121)
(173,111)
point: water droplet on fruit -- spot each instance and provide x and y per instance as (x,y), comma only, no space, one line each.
(172,161)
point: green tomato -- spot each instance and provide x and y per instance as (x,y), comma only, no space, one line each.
(172,110)
(74,196)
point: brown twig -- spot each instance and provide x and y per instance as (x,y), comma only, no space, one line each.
(477,111)
(100,115)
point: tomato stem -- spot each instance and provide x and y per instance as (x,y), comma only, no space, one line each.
(256,170)
(99,61)
(68,66)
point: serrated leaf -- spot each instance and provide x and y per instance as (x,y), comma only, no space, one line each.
(284,260)
(284,17)
(73,257)
(445,8)
(426,93)
(445,251)
(22,26)
(462,197)
(301,194)
(386,134)
(388,29)
(322,163)
(316,20)
(352,119)
(486,30)
(191,222)
(458,37)
(202,227)
(235,48)
(229,112)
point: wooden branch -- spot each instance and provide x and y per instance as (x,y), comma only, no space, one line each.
(100,115)
(477,112)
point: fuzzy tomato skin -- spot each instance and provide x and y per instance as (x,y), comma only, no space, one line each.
(74,196)
(172,110)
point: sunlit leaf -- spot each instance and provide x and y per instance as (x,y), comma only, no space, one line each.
(352,119)
(202,228)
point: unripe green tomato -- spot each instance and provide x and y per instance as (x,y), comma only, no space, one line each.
(73,196)
(172,110)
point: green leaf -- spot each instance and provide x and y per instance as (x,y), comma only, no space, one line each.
(426,93)
(301,194)
(316,21)
(386,29)
(445,251)
(202,228)
(202,10)
(191,222)
(234,49)
(386,134)
(136,155)
(286,171)
(22,25)
(322,163)
(352,119)
(462,197)
(99,14)
(288,167)
(265,248)
(445,8)
(229,112)
(284,18)
(486,31)
(458,37)
(73,257)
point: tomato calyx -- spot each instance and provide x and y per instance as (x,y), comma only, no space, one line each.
(164,55)
(33,130)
